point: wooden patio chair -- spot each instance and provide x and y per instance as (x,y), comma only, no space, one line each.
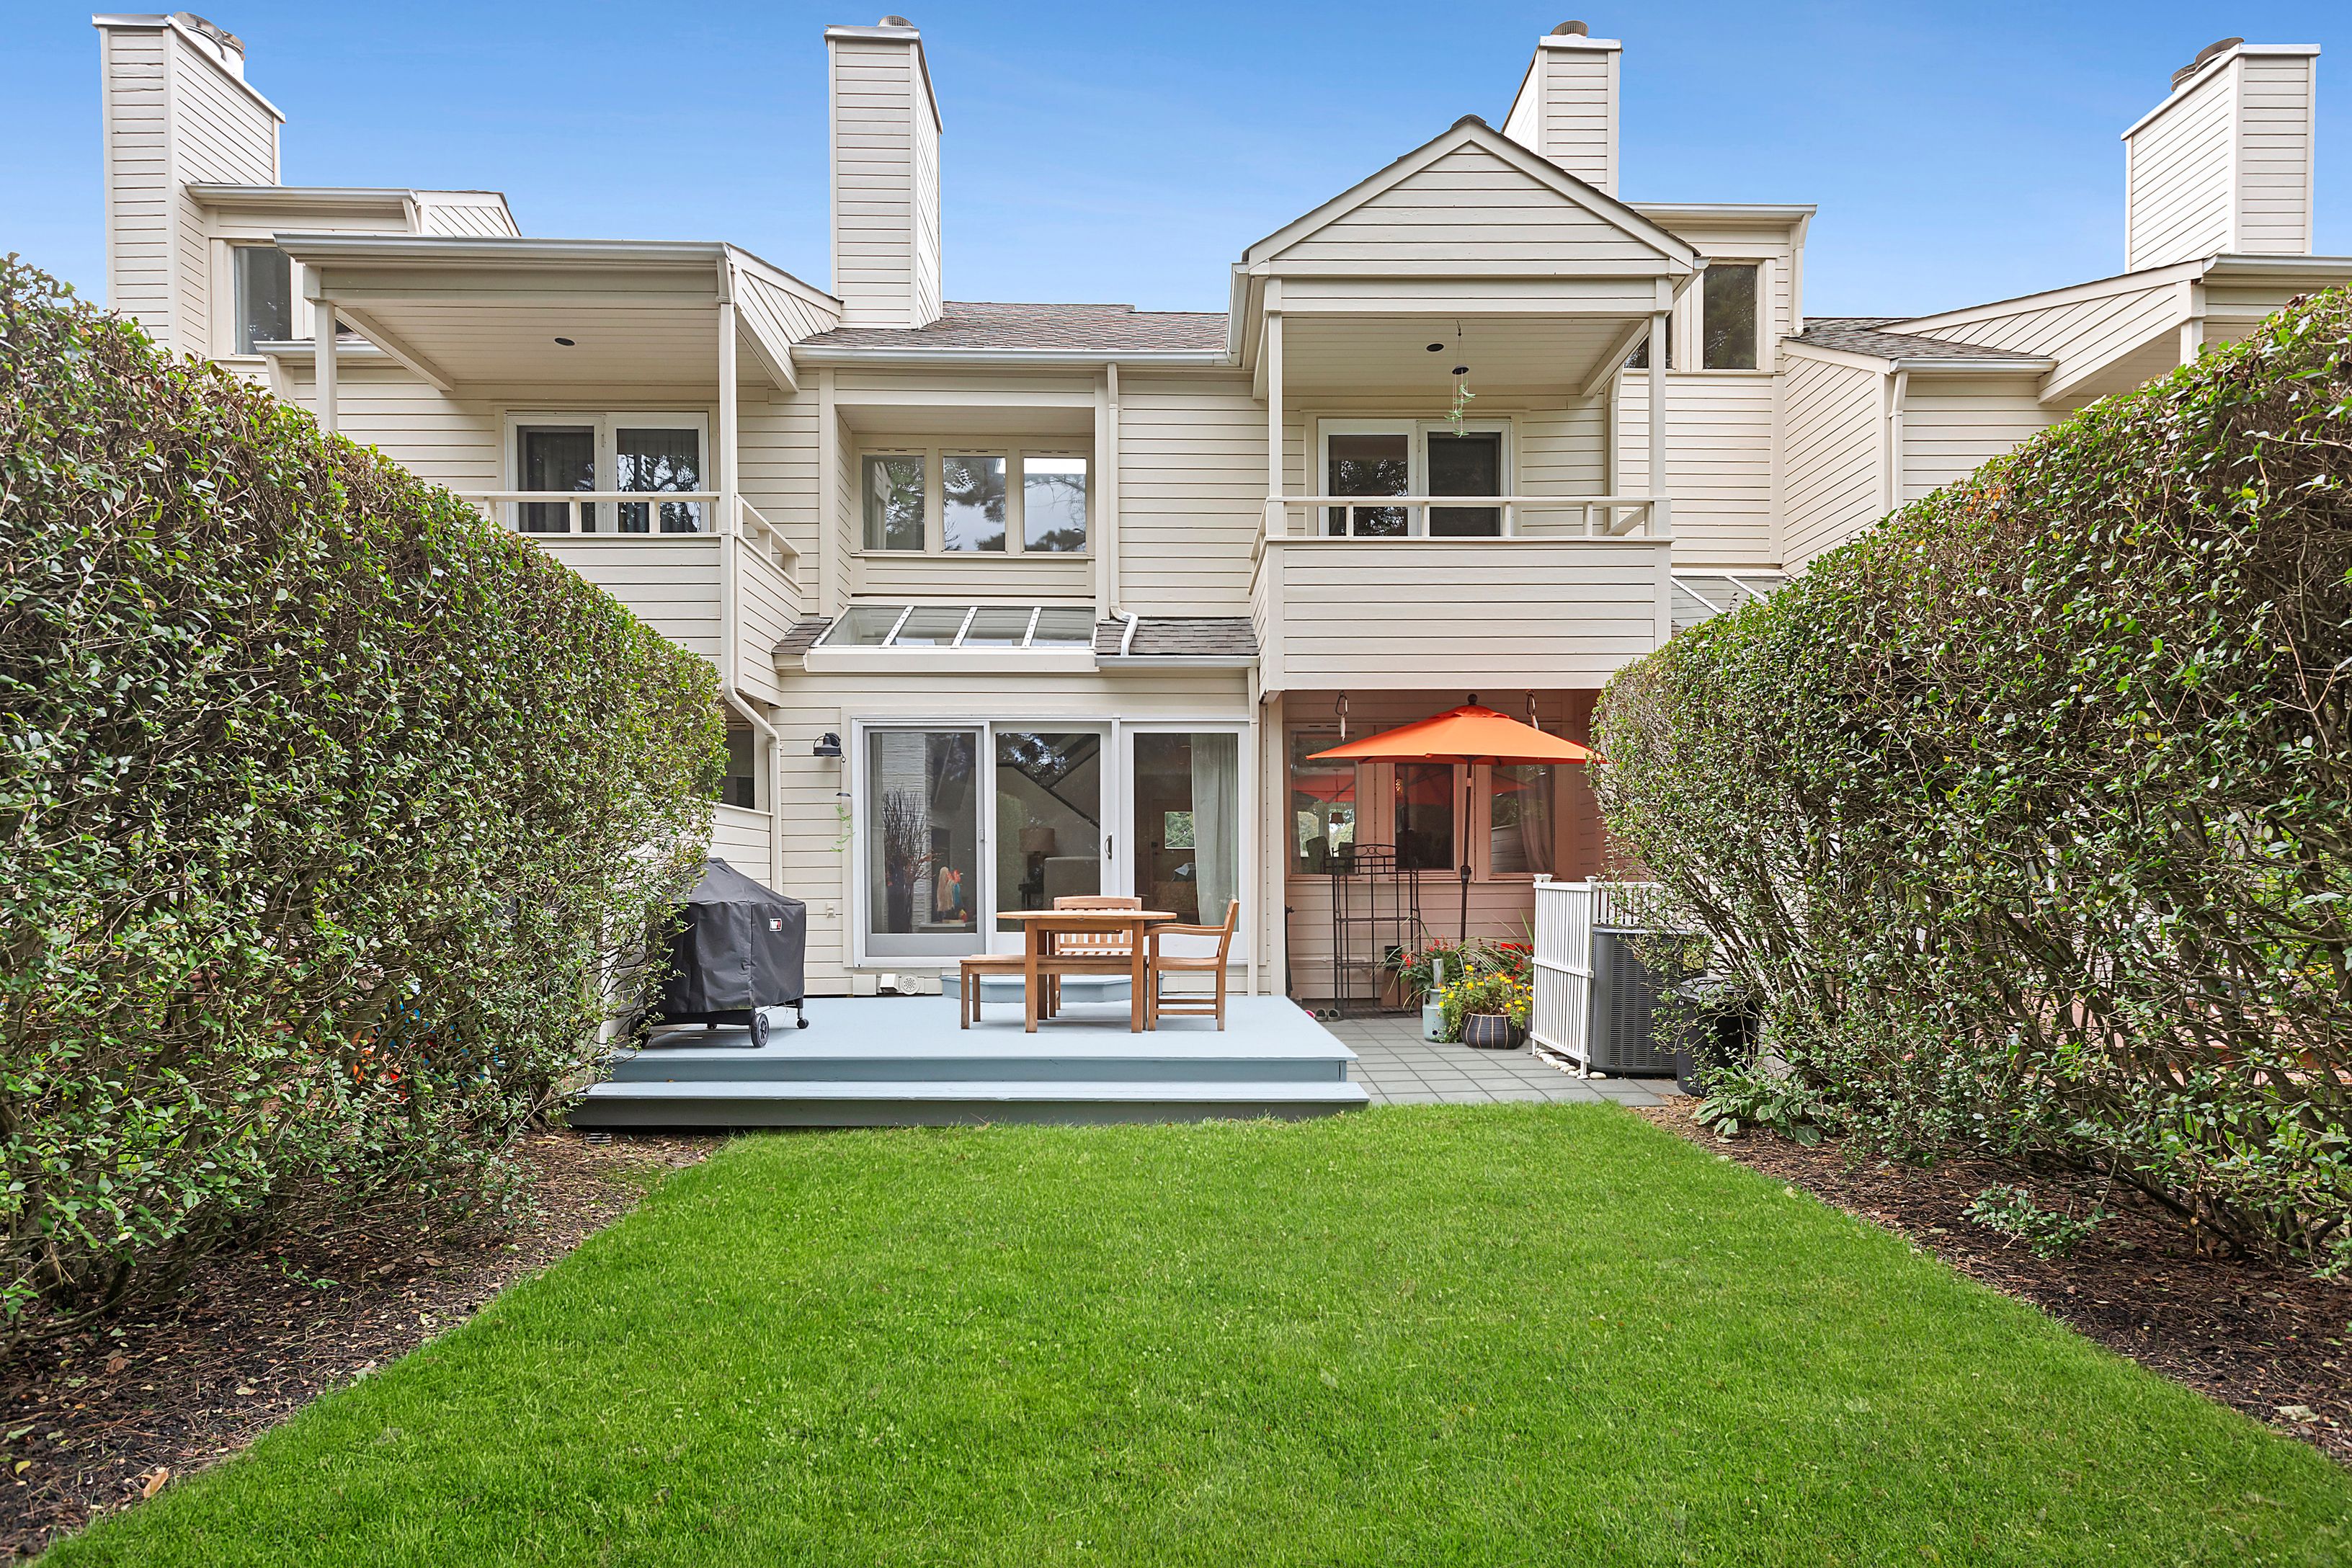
(1083,946)
(1163,964)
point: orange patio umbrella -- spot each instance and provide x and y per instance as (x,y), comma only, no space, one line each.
(1469,734)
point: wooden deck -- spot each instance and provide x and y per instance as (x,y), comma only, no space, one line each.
(891,1061)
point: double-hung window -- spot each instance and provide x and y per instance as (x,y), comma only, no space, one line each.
(974,498)
(633,453)
(1377,458)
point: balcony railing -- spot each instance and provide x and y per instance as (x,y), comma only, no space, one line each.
(632,515)
(1373,517)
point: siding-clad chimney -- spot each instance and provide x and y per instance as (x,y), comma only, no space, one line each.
(1567,107)
(174,110)
(2225,163)
(884,135)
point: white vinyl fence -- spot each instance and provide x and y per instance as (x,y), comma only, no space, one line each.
(1566,914)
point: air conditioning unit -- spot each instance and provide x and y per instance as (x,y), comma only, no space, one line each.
(1625,996)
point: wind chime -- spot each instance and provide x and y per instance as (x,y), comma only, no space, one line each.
(1462,392)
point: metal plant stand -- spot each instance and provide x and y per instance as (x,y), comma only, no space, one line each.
(1375,914)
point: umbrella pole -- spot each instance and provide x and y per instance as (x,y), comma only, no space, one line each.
(1463,935)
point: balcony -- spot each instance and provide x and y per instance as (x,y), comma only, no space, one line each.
(1348,589)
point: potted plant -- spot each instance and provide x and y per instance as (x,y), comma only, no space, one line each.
(1488,1009)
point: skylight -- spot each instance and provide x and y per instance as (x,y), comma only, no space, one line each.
(961,625)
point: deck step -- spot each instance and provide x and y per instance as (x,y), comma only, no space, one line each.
(707,1102)
(787,1059)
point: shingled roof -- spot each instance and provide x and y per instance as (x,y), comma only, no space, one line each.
(1079,328)
(1866,335)
(1177,636)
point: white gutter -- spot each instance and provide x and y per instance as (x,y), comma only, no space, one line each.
(1171,358)
(1127,638)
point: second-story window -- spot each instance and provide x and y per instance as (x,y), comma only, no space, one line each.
(265,296)
(636,454)
(1405,457)
(1728,314)
(969,500)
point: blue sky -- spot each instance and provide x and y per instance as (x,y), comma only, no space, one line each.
(1957,153)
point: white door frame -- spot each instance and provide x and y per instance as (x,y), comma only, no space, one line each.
(1117,769)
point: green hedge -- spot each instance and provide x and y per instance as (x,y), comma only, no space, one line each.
(321,802)
(2027,818)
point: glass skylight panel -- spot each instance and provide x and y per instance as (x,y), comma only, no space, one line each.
(1000,627)
(864,626)
(1062,627)
(932,626)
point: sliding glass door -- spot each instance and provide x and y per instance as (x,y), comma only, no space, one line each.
(959,826)
(1049,838)
(920,805)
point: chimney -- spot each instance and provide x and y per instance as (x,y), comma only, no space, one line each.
(175,110)
(2225,163)
(885,136)
(1567,107)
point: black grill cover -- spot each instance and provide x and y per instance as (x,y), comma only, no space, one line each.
(738,946)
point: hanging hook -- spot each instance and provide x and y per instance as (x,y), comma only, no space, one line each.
(1341,707)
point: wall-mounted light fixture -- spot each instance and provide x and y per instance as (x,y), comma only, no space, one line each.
(829,745)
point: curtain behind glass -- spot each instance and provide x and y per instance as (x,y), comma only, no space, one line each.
(556,457)
(1216,822)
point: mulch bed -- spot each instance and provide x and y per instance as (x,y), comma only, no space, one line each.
(102,1417)
(2270,1341)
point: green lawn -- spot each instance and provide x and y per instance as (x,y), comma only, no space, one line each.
(1429,1336)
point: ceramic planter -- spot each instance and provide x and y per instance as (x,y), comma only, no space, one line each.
(1489,1032)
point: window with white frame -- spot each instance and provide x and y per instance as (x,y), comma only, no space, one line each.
(264,294)
(648,453)
(1729,311)
(1375,459)
(974,498)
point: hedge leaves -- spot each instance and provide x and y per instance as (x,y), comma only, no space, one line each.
(323,805)
(2029,815)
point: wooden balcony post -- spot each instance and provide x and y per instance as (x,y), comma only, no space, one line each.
(1278,521)
(323,360)
(1657,406)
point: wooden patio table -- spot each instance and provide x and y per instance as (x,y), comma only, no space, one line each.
(1039,959)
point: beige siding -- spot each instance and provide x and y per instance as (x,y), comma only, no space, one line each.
(1834,458)
(2274,155)
(885,176)
(1002,575)
(817,844)
(1421,612)
(670,582)
(777,468)
(478,213)
(767,604)
(2178,177)
(218,133)
(141,199)
(1954,424)
(1468,205)
(2095,338)
(739,838)
(446,440)
(1192,492)
(1580,118)
(785,316)
(1719,435)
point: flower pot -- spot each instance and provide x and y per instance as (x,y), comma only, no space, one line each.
(1488,1032)
(1432,1021)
